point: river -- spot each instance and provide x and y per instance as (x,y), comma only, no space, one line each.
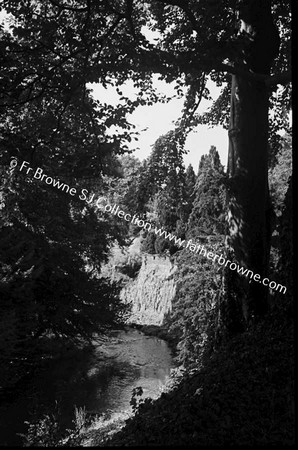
(100,380)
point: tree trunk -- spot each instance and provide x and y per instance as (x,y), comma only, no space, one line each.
(248,237)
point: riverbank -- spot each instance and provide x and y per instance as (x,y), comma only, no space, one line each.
(242,395)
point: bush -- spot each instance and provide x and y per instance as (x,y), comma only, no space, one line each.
(130,266)
(192,319)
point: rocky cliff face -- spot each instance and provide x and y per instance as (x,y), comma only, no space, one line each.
(152,291)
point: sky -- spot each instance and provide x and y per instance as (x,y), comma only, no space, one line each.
(159,118)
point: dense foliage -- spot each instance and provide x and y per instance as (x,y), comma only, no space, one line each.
(54,49)
(195,306)
(167,202)
(208,212)
(52,245)
(241,396)
(50,256)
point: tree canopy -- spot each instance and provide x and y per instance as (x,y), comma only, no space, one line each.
(208,213)
(52,50)
(52,245)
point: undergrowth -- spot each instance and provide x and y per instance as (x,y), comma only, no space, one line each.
(241,395)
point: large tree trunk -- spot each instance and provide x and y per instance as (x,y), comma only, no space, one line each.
(248,239)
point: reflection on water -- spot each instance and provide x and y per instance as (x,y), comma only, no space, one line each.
(101,380)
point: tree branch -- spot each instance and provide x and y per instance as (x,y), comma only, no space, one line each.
(279,78)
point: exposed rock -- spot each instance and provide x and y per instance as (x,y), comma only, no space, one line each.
(152,291)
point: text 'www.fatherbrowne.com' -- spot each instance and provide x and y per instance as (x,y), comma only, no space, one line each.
(102,204)
(195,248)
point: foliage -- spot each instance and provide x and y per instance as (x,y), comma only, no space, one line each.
(52,245)
(190,182)
(148,243)
(279,177)
(53,50)
(242,394)
(130,266)
(195,306)
(48,117)
(161,245)
(47,431)
(280,173)
(135,402)
(208,213)
(285,266)
(167,202)
(42,433)
(50,258)
(140,191)
(193,318)
(123,189)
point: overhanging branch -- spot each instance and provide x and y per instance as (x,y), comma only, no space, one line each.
(279,78)
(185,62)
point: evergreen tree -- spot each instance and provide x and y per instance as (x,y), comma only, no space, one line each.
(190,182)
(167,172)
(137,193)
(50,256)
(140,190)
(207,216)
(166,177)
(195,304)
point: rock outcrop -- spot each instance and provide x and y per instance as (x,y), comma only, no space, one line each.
(152,291)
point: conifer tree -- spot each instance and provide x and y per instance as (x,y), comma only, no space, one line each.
(198,280)
(190,182)
(207,216)
(166,181)
(167,173)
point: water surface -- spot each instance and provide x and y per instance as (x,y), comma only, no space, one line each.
(101,381)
